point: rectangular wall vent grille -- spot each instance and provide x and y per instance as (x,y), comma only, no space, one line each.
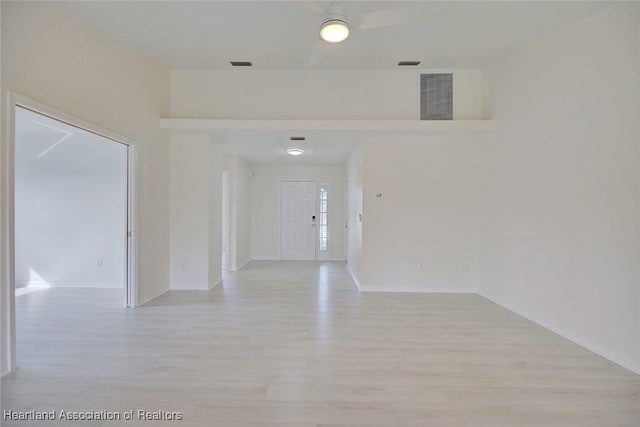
(436,97)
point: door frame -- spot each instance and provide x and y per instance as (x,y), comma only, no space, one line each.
(328,254)
(7,280)
(226,217)
(319,183)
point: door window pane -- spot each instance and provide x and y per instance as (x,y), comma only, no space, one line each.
(323,230)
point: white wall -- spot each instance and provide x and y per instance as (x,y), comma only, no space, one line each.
(265,203)
(240,208)
(70,210)
(189,213)
(7,295)
(421,235)
(58,61)
(216,159)
(354,210)
(196,211)
(562,245)
(314,94)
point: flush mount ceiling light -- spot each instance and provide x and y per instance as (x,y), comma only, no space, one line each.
(335,27)
(295,151)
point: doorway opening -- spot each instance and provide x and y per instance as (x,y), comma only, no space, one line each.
(70,206)
(69,213)
(225,219)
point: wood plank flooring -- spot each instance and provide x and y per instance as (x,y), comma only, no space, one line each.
(294,344)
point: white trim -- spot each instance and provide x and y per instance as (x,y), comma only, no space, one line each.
(355,280)
(564,334)
(45,110)
(43,284)
(328,254)
(213,285)
(413,290)
(211,125)
(8,228)
(154,296)
(345,216)
(319,183)
(258,258)
(14,100)
(131,291)
(245,262)
(226,220)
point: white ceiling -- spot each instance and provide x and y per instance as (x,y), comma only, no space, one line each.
(270,146)
(284,34)
(326,141)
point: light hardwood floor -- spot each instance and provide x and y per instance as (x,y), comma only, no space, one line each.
(294,344)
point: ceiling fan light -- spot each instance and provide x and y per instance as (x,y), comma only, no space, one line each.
(334,30)
(295,151)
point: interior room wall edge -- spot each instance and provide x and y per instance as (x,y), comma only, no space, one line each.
(625,362)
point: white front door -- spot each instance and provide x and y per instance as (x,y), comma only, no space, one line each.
(298,220)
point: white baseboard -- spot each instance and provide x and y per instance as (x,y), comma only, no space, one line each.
(412,290)
(355,280)
(589,346)
(279,259)
(214,284)
(43,284)
(247,261)
(238,267)
(147,299)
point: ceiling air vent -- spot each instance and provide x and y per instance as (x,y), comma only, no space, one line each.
(297,138)
(436,97)
(241,63)
(408,63)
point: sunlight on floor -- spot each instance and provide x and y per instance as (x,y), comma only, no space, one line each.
(29,289)
(36,283)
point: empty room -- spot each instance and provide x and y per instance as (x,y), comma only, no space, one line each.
(70,230)
(320,214)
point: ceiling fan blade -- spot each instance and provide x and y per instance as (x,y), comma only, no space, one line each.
(311,6)
(316,54)
(390,17)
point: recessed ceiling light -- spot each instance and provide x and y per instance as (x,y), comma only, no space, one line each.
(241,63)
(334,28)
(295,151)
(408,63)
